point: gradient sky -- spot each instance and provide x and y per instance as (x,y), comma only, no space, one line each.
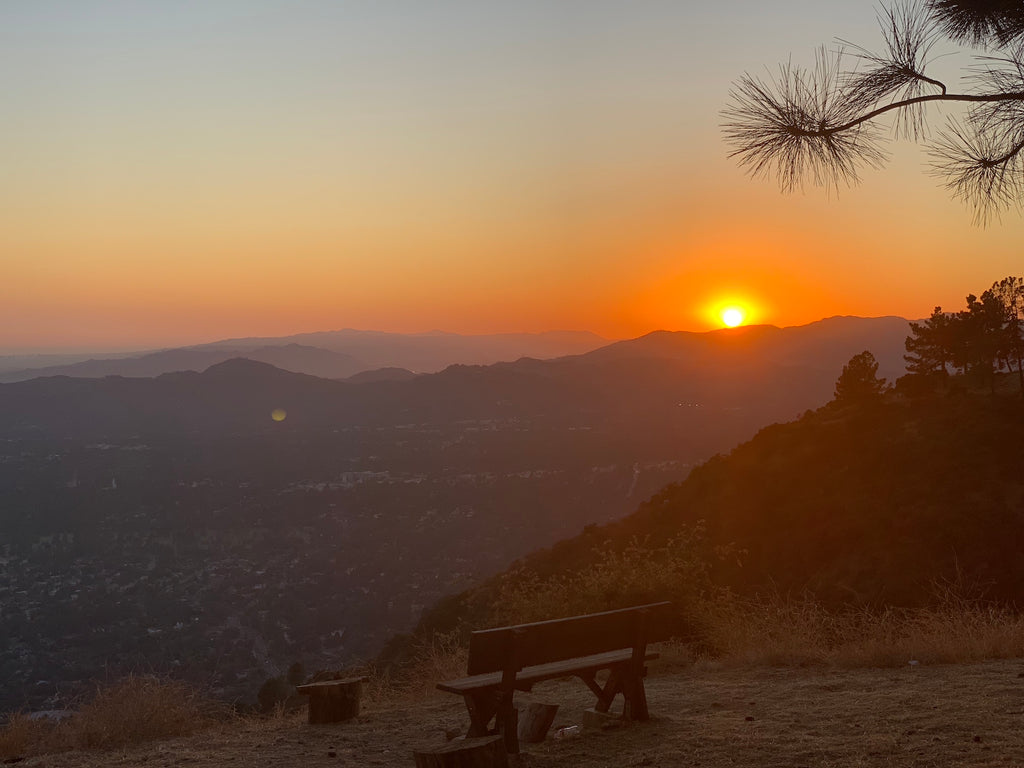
(179,172)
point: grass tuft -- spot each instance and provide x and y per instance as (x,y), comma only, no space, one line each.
(776,632)
(135,709)
(140,709)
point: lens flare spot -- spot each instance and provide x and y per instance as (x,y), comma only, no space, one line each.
(278,414)
(732,316)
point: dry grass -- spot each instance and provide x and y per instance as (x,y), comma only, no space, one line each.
(22,736)
(751,637)
(614,578)
(714,716)
(777,632)
(442,657)
(142,708)
(135,709)
(768,633)
(771,631)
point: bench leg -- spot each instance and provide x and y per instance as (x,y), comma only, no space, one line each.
(636,697)
(604,695)
(622,680)
(591,680)
(482,707)
(508,725)
(611,689)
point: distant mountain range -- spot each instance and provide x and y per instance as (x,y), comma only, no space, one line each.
(762,372)
(328,354)
(234,520)
(823,345)
(343,354)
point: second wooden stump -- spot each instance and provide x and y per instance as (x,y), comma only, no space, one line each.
(482,752)
(333,701)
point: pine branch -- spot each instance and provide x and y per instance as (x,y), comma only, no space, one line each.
(825,124)
(969,97)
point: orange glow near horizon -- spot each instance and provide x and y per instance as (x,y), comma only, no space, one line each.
(677,275)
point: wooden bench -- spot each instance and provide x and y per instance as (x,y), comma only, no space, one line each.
(507,659)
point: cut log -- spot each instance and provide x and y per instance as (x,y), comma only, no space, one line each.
(333,701)
(535,720)
(482,752)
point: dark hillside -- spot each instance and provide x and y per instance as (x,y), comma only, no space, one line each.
(866,506)
(876,505)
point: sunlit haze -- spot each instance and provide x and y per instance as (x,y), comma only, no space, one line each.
(180,172)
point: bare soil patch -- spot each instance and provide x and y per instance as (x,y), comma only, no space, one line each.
(705,715)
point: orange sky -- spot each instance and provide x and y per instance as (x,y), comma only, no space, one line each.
(178,174)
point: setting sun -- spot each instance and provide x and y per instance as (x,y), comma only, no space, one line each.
(732,316)
(733,308)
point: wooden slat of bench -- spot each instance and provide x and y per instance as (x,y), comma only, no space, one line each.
(539,672)
(573,637)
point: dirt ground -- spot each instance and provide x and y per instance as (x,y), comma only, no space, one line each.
(956,715)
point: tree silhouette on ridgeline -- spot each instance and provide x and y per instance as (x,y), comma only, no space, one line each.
(823,124)
(977,342)
(1010,293)
(930,345)
(859,382)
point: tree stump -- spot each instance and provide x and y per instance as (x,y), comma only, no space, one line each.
(535,720)
(482,752)
(332,701)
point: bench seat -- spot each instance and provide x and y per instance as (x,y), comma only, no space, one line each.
(527,677)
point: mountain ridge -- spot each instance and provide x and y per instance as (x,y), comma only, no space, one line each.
(328,354)
(770,371)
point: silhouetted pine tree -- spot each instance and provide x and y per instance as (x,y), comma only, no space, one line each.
(859,382)
(929,346)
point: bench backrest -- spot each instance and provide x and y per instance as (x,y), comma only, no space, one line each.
(558,639)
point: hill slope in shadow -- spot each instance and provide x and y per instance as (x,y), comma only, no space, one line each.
(881,505)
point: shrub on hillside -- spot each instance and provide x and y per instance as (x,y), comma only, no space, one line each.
(615,577)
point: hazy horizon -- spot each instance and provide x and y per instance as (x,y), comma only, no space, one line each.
(144,348)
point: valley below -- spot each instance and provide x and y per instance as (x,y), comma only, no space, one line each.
(225,561)
(177,525)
